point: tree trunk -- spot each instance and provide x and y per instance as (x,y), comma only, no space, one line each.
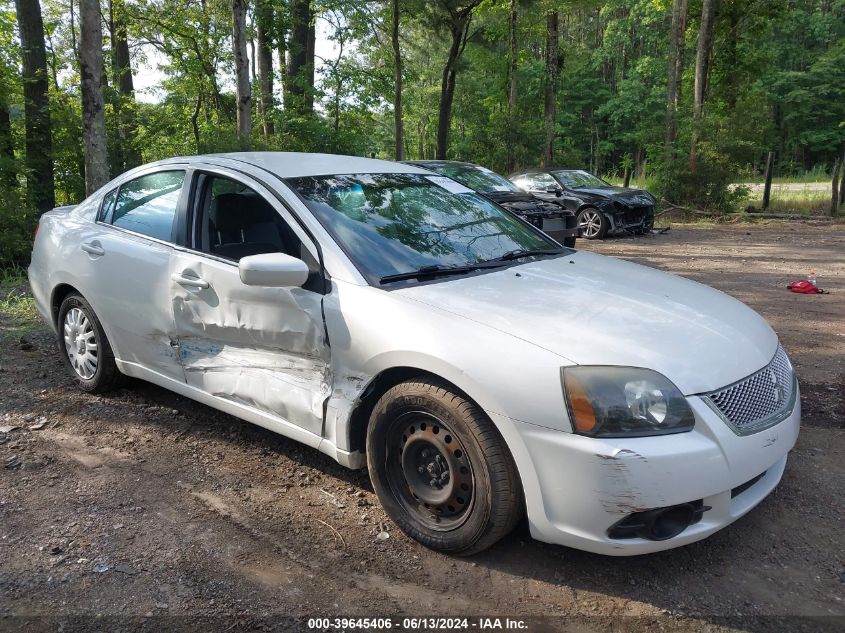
(242,82)
(512,83)
(195,121)
(834,197)
(552,72)
(842,180)
(253,73)
(675,74)
(767,179)
(703,55)
(398,123)
(280,37)
(8,177)
(732,55)
(458,30)
(264,20)
(73,43)
(39,138)
(125,104)
(299,83)
(93,108)
(310,50)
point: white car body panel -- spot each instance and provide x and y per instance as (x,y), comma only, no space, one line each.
(299,362)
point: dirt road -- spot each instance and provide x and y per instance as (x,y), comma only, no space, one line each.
(142,503)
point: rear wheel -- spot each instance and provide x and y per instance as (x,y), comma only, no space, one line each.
(593,223)
(441,469)
(84,347)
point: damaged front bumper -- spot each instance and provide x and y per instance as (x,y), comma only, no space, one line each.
(581,500)
(624,218)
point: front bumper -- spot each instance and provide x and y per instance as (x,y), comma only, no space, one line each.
(577,487)
(622,218)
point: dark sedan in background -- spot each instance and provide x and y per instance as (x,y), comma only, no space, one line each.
(601,208)
(548,216)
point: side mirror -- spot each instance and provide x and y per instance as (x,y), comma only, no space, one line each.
(273,270)
(555,190)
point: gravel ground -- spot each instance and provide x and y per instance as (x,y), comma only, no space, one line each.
(142,504)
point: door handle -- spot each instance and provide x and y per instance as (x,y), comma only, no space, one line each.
(191,282)
(93,248)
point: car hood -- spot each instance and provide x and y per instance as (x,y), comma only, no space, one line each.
(597,310)
(622,194)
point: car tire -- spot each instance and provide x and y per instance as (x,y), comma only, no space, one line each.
(84,347)
(593,223)
(441,469)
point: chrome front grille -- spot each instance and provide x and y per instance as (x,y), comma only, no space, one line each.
(764,398)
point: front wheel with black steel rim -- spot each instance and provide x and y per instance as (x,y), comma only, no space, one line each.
(441,469)
(84,347)
(593,223)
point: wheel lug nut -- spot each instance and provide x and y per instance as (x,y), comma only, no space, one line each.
(438,457)
(432,483)
(421,470)
(444,476)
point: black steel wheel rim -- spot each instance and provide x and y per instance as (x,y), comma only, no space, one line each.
(428,471)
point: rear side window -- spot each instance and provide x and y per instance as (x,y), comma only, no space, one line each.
(147,205)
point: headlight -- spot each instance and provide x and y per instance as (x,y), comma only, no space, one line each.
(624,402)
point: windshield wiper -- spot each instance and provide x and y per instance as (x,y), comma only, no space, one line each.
(436,270)
(510,255)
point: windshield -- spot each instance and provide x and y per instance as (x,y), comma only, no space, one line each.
(399,223)
(478,178)
(580,179)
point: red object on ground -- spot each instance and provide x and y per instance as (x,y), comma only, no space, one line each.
(804,287)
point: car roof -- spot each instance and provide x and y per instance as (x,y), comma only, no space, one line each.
(296,164)
(544,170)
(423,163)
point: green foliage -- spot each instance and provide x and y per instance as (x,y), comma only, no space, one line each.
(18,223)
(706,187)
(777,82)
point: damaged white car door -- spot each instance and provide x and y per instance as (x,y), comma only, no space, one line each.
(262,347)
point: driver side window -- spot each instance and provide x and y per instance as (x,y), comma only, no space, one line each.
(233,221)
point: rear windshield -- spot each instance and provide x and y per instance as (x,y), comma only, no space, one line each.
(474,177)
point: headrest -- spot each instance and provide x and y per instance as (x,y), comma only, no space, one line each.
(238,211)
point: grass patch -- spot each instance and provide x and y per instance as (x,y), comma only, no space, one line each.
(18,315)
(808,200)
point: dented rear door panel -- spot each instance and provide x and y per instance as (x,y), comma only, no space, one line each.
(260,347)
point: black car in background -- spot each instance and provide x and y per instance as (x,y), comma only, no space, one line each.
(601,208)
(544,215)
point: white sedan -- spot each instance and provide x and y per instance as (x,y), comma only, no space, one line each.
(390,318)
